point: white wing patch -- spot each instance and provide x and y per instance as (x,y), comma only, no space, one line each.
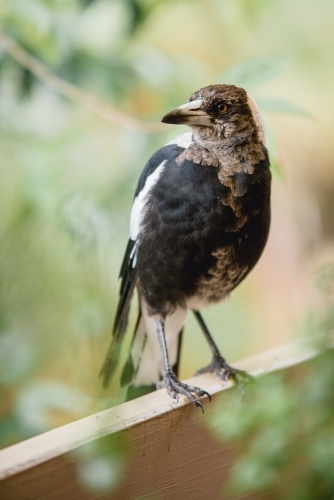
(183,140)
(138,207)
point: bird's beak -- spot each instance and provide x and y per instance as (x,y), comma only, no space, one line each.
(189,114)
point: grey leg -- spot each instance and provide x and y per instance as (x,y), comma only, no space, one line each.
(218,364)
(169,380)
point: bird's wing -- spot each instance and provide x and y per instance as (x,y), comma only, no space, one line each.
(128,272)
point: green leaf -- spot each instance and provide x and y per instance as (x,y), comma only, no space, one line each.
(254,72)
(274,105)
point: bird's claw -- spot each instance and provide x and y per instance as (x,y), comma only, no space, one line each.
(175,387)
(226,372)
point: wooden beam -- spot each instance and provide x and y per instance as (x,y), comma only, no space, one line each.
(168,454)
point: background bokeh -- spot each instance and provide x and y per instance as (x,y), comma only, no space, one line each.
(68,178)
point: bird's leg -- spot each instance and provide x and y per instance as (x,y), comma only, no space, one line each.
(169,380)
(218,364)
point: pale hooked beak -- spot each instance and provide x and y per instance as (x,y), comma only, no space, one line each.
(189,114)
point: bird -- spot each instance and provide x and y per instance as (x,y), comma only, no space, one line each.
(198,225)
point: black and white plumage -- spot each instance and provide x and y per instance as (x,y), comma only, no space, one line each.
(199,223)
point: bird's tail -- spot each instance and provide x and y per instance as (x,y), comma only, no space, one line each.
(128,274)
(114,352)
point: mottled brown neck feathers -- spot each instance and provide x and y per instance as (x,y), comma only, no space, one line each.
(229,160)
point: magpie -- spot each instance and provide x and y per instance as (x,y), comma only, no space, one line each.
(199,223)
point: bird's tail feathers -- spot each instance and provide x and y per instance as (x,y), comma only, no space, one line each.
(110,362)
(132,364)
(113,355)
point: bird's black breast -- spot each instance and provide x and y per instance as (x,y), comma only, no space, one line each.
(189,227)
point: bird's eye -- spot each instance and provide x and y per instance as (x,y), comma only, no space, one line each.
(221,107)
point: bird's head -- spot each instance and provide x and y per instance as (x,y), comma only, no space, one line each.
(220,113)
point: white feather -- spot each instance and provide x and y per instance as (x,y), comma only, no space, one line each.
(138,207)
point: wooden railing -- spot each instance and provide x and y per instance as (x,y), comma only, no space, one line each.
(169,453)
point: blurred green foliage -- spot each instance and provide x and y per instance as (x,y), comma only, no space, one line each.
(285,427)
(67,180)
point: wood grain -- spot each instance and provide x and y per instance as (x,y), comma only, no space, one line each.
(165,446)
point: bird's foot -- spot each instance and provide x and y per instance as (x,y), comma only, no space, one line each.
(175,387)
(226,372)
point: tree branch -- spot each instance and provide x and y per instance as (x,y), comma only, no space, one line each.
(95,105)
